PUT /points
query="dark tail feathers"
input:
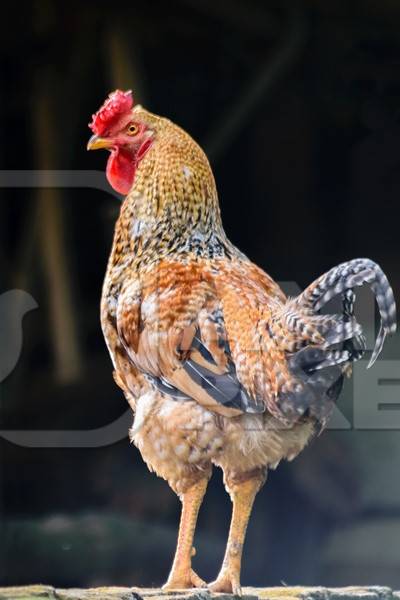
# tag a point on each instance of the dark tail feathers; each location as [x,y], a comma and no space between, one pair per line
[318,366]
[341,280]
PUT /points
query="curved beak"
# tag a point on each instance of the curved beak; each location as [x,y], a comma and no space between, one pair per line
[96,143]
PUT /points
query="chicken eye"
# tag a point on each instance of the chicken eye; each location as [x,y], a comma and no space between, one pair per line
[133,129]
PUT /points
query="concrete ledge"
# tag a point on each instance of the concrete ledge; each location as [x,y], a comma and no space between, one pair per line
[45,592]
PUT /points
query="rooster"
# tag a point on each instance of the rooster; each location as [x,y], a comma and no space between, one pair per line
[218,365]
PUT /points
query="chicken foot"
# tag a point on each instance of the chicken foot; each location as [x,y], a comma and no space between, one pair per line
[242,494]
[182,575]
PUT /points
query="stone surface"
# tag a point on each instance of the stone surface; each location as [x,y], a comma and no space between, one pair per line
[46,592]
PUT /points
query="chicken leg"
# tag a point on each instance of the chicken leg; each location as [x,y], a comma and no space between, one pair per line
[182,575]
[242,494]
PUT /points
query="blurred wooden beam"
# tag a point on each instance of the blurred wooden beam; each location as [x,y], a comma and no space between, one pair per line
[63,310]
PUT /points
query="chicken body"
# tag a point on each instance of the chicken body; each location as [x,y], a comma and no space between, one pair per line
[219,367]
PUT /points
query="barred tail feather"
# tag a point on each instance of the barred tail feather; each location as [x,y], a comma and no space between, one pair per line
[341,280]
[320,347]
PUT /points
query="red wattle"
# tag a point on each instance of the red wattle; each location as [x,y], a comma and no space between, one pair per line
[121,168]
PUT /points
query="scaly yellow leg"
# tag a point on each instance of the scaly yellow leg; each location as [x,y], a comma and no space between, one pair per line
[181,575]
[242,496]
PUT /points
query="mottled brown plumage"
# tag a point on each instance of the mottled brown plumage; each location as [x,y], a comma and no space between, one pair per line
[219,367]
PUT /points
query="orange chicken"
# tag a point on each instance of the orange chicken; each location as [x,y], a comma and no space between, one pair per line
[219,366]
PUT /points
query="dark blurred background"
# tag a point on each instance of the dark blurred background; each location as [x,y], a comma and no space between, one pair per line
[298,107]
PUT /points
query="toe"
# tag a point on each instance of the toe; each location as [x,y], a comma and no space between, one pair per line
[177,584]
[184,581]
[196,580]
[227,585]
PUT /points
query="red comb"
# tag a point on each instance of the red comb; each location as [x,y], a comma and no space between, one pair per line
[113,108]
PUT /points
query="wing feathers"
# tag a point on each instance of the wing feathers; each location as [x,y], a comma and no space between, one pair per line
[231,341]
